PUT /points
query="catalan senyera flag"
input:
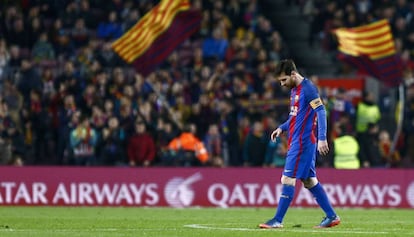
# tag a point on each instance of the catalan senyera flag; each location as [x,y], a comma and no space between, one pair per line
[371,49]
[157,34]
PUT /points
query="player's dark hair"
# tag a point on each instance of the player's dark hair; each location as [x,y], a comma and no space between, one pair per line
[285,66]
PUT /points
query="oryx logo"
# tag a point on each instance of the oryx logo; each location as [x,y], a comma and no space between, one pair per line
[178,191]
[410,194]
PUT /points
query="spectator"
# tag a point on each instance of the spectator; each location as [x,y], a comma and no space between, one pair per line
[367,113]
[14,101]
[141,147]
[35,31]
[254,149]
[30,80]
[5,151]
[42,49]
[228,128]
[114,144]
[214,48]
[4,57]
[83,141]
[15,138]
[110,30]
[188,148]
[18,34]
[80,34]
[391,158]
[346,149]
[339,106]
[214,146]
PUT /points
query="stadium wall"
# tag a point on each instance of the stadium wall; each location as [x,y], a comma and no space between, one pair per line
[190,187]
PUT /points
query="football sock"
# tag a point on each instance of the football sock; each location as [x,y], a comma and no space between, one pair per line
[322,199]
[285,199]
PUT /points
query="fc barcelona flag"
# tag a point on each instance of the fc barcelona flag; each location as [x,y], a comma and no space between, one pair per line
[157,34]
[371,49]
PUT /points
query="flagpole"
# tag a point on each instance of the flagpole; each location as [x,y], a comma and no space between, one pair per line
[400,120]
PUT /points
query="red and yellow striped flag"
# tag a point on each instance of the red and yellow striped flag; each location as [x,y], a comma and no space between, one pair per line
[142,35]
[374,40]
[371,49]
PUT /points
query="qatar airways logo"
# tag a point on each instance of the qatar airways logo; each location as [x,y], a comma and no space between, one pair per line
[179,193]
[410,194]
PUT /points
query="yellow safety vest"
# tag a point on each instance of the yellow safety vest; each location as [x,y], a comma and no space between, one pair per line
[346,153]
[366,114]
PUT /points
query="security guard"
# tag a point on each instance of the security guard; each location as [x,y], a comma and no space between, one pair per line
[346,150]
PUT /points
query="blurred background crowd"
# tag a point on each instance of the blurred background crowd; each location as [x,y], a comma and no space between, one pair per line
[68,99]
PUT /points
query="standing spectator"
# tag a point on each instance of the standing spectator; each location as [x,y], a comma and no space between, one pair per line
[339,107]
[5,145]
[372,151]
[80,34]
[14,101]
[107,57]
[30,80]
[40,122]
[42,49]
[390,158]
[214,145]
[228,128]
[18,34]
[188,148]
[367,113]
[254,149]
[83,140]
[60,39]
[68,118]
[346,149]
[4,57]
[5,150]
[214,48]
[69,81]
[35,31]
[113,144]
[111,29]
[15,138]
[141,147]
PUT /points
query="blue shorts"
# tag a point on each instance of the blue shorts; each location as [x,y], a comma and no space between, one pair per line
[300,163]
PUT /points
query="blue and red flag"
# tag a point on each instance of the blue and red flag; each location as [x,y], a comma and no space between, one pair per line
[371,49]
[157,34]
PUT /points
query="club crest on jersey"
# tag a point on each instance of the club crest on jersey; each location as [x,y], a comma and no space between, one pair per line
[296,98]
[293,110]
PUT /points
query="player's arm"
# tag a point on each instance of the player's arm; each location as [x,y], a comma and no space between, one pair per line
[319,108]
[283,127]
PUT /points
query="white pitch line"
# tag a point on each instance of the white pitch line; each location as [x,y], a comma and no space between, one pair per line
[199,226]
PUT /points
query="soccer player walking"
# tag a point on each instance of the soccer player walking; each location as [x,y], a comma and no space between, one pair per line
[307,113]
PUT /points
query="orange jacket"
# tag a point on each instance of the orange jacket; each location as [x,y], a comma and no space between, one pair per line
[187,141]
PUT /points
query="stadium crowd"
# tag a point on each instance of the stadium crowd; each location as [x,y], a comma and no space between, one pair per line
[68,99]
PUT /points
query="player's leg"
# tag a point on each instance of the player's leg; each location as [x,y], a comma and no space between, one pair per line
[313,185]
[288,191]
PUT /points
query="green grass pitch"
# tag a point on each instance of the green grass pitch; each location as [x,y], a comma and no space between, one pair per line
[204,222]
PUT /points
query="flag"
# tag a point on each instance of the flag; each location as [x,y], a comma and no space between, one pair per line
[157,34]
[371,49]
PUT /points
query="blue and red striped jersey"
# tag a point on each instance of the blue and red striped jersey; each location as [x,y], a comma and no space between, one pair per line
[302,122]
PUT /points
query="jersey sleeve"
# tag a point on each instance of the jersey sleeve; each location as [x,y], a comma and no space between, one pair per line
[312,97]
